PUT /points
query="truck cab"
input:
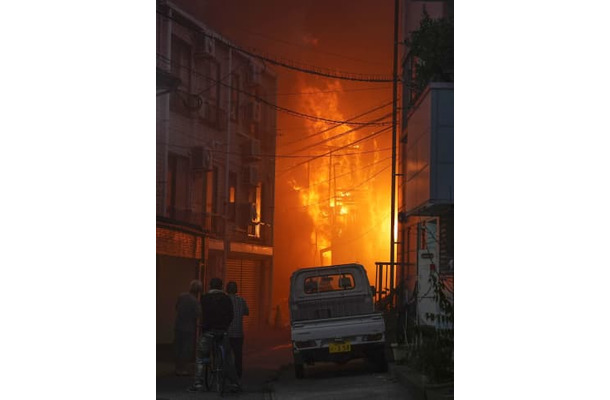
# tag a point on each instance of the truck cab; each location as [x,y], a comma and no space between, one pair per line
[333,318]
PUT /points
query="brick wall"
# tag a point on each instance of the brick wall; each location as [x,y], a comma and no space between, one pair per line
[178,244]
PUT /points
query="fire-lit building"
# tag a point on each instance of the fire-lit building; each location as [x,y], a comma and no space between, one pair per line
[425,214]
[216,136]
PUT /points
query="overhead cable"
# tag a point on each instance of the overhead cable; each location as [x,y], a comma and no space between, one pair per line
[268,103]
[285,63]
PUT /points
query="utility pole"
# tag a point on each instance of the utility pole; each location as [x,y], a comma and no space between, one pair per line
[394,121]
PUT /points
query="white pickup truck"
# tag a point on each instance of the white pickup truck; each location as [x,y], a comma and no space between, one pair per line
[333,318]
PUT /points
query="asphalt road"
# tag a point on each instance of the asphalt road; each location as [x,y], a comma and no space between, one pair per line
[264,356]
[352,380]
[269,374]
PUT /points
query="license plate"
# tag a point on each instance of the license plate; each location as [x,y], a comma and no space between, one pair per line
[339,347]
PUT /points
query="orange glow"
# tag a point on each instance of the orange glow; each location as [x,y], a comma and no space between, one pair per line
[344,190]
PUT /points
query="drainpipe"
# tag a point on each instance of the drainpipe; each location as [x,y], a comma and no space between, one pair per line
[227,240]
[394,110]
[165,146]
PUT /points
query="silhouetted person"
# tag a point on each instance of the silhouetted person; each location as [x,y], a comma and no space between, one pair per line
[216,316]
[188,310]
[236,329]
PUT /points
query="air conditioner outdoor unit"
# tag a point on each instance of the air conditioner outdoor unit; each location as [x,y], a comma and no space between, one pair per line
[210,46]
[254,111]
[253,213]
[201,158]
[255,147]
[205,46]
[253,75]
[253,150]
[251,175]
[257,112]
[204,110]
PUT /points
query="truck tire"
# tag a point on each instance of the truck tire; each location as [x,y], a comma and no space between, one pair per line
[299,370]
[381,364]
[377,361]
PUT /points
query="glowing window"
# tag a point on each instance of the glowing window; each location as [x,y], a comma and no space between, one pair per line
[328,283]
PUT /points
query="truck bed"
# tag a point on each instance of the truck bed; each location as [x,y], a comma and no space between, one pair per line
[353,327]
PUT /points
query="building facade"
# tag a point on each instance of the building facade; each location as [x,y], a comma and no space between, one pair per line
[216,136]
[426,195]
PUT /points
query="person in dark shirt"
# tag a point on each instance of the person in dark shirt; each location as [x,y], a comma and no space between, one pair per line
[236,329]
[216,316]
[188,310]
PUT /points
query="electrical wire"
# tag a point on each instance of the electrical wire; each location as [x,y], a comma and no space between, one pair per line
[266,156]
[288,64]
[336,126]
[306,47]
[351,240]
[341,175]
[338,136]
[331,91]
[345,190]
[275,106]
[334,150]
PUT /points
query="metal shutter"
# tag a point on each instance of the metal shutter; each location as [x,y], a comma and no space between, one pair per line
[247,274]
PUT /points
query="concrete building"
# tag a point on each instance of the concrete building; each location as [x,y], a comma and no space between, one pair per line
[425,204]
[216,137]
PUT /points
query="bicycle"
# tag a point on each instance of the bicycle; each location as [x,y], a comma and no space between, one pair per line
[215,377]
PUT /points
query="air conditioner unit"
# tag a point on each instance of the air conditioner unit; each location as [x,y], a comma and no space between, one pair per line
[204,110]
[251,175]
[205,46]
[247,215]
[210,46]
[254,112]
[257,113]
[201,158]
[209,112]
[253,75]
[255,147]
[253,150]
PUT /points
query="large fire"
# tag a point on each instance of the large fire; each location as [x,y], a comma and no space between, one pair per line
[333,202]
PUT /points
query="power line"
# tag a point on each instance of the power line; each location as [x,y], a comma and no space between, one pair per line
[334,150]
[344,174]
[268,103]
[307,48]
[270,156]
[331,91]
[285,63]
[344,242]
[336,126]
[338,136]
[346,190]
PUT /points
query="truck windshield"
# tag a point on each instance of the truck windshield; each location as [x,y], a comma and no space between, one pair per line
[328,283]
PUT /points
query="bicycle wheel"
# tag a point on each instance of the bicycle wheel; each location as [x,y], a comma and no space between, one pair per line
[219,369]
[209,376]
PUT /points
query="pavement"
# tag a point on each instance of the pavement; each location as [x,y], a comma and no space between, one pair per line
[269,352]
[266,354]
[417,385]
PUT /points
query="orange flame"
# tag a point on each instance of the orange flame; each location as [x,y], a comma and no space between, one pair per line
[345,190]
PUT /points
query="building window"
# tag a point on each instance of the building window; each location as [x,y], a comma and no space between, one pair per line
[232,196]
[177,187]
[181,68]
[181,62]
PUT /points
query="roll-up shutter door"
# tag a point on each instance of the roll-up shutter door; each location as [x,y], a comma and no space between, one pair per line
[247,274]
